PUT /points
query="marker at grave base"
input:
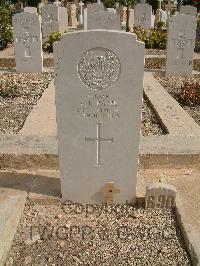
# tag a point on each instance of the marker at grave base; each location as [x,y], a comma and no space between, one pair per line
[109,190]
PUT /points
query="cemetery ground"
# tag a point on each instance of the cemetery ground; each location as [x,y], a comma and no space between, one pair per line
[30,187]
[37,229]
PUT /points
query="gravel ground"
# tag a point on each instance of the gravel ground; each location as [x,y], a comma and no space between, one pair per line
[150,125]
[20,92]
[110,236]
[172,85]
[154,52]
[159,63]
[18,95]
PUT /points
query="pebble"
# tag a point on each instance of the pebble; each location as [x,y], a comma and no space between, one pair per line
[27,260]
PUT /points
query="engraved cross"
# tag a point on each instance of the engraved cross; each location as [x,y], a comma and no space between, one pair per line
[181,42]
[27,40]
[50,20]
[98,140]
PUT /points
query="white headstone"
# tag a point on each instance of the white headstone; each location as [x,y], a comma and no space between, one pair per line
[54,18]
[85,18]
[91,8]
[103,20]
[164,16]
[131,18]
[188,10]
[27,42]
[81,4]
[180,45]
[152,21]
[30,9]
[98,125]
[111,10]
[143,16]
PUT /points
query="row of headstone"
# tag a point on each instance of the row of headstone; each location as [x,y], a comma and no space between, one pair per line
[54,18]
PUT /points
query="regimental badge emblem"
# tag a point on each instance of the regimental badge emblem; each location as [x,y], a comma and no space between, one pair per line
[99,68]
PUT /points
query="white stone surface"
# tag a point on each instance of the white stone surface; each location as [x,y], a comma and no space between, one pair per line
[111,10]
[180,45]
[90,10]
[85,18]
[27,42]
[95,7]
[152,20]
[54,18]
[188,10]
[164,16]
[98,125]
[30,9]
[103,20]
[81,4]
[131,19]
[160,196]
[143,16]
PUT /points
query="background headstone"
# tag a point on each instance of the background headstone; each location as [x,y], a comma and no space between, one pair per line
[103,20]
[188,10]
[160,196]
[131,18]
[27,42]
[95,7]
[180,45]
[98,125]
[30,9]
[73,22]
[54,18]
[111,10]
[143,16]
[90,10]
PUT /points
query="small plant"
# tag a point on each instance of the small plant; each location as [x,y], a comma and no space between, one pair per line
[5,24]
[154,38]
[190,92]
[53,37]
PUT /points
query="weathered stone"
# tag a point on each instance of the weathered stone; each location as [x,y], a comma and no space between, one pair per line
[180,45]
[188,10]
[30,9]
[54,18]
[143,16]
[98,126]
[27,42]
[160,196]
[103,20]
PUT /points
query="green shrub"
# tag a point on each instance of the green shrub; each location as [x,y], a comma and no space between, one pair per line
[154,38]
[53,37]
[5,24]
[197,47]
